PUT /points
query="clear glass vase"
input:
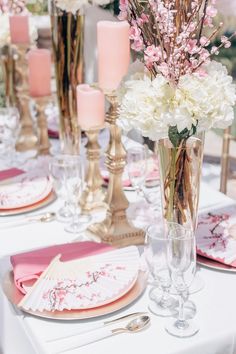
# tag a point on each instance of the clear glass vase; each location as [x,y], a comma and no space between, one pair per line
[68,48]
[180,173]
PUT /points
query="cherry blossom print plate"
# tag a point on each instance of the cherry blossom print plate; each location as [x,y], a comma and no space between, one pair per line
[28,209]
[215,237]
[26,191]
[84,283]
[83,288]
[15,296]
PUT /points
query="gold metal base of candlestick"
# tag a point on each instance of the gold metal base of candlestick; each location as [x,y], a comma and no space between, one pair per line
[28,139]
[93,196]
[44,144]
[116,229]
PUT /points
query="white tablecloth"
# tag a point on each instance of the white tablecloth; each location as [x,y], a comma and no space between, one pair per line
[216,310]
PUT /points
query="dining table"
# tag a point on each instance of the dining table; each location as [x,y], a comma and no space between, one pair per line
[215,299]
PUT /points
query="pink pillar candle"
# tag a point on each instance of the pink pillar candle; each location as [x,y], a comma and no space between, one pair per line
[113,53]
[39,72]
[90,107]
[19,29]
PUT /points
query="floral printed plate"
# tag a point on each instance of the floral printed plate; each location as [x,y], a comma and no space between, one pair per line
[26,191]
[216,238]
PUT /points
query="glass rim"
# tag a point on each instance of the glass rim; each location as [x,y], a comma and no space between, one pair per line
[189,234]
[161,234]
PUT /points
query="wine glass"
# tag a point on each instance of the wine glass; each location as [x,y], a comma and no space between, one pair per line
[181,259]
[58,171]
[137,167]
[75,185]
[162,304]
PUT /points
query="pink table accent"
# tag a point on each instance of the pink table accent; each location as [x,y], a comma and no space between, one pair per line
[19,29]
[28,266]
[39,72]
[11,172]
[91,107]
[113,53]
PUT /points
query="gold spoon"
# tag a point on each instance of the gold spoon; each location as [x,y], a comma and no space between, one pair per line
[46,217]
[134,326]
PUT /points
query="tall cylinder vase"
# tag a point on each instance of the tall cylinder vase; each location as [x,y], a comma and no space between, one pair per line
[68,47]
[180,172]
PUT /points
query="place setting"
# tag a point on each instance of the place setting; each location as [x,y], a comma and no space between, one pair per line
[113,234]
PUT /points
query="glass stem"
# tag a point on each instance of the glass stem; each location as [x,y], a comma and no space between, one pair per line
[181,322]
[165,297]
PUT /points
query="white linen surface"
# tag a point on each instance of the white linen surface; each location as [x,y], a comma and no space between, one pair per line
[216,310]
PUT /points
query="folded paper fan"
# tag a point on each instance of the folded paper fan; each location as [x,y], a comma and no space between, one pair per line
[84,283]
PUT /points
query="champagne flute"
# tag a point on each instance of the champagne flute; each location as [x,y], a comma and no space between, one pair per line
[75,185]
[137,167]
[162,304]
[181,259]
[58,168]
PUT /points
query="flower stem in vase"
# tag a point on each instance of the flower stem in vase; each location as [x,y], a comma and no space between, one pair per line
[180,166]
[68,43]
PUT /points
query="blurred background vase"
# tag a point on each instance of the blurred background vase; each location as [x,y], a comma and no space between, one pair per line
[68,48]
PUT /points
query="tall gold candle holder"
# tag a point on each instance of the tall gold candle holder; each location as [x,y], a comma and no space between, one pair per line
[28,139]
[43,139]
[7,61]
[93,196]
[116,229]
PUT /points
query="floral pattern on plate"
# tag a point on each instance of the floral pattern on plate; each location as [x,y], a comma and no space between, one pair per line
[23,192]
[216,236]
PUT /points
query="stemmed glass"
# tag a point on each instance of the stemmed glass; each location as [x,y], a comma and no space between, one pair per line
[58,171]
[181,259]
[137,167]
[162,304]
[75,185]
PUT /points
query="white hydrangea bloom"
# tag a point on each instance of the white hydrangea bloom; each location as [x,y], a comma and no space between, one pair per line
[153,106]
[4,30]
[76,5]
[71,5]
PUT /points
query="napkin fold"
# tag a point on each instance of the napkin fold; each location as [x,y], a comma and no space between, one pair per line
[10,173]
[29,265]
[216,235]
[152,176]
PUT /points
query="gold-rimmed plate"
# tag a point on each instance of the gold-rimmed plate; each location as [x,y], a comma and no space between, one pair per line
[15,296]
[27,209]
[211,264]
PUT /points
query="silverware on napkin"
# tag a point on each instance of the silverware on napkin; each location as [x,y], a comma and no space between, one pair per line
[135,325]
[43,218]
[95,326]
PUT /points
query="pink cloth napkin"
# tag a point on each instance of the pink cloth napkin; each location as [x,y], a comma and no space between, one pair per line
[53,134]
[28,266]
[153,175]
[11,172]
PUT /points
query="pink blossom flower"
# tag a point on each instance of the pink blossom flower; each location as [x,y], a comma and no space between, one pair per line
[137,45]
[211,11]
[192,47]
[225,41]
[204,41]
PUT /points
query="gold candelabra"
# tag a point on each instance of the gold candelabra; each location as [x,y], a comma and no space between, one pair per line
[43,139]
[28,139]
[93,196]
[116,229]
[7,61]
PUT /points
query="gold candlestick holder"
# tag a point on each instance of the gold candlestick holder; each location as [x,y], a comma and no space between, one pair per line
[93,196]
[43,139]
[116,229]
[28,139]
